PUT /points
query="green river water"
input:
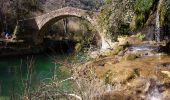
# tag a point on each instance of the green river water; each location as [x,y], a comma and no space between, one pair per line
[13,72]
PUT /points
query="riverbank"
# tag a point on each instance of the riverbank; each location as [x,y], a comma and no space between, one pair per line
[135,72]
[137,79]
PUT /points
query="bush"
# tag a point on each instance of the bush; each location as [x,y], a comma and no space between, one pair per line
[140,36]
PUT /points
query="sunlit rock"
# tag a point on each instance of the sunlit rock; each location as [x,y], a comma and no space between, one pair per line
[166,73]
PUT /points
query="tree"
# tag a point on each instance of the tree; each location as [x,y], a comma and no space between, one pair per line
[14,10]
[113,13]
[151,13]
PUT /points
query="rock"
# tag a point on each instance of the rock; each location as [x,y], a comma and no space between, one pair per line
[115,96]
[121,53]
[165,49]
[138,83]
[139,86]
[122,76]
[118,74]
[166,94]
[128,57]
[110,52]
[78,47]
[162,54]
[134,39]
[94,54]
[117,50]
[123,40]
[166,73]
[114,50]
[115,44]
[106,53]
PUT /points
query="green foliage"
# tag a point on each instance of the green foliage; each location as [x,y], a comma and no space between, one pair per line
[167,4]
[124,29]
[103,18]
[140,36]
[108,1]
[162,14]
[164,11]
[141,9]
[137,21]
[143,6]
[167,8]
[133,25]
[114,16]
[78,47]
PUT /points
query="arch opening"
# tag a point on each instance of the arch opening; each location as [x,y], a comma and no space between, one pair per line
[64,33]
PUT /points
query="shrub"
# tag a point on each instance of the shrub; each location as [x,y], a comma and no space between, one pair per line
[140,36]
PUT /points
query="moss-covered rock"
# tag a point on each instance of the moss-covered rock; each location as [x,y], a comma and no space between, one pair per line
[105,53]
[113,51]
[128,57]
[78,47]
[117,50]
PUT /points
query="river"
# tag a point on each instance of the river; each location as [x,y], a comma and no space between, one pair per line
[14,71]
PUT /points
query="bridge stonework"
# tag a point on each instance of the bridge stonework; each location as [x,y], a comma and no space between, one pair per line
[41,23]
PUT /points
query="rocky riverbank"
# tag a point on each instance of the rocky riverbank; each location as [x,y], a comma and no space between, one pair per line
[127,71]
[134,72]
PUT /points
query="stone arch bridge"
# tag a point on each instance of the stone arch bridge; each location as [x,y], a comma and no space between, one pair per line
[39,24]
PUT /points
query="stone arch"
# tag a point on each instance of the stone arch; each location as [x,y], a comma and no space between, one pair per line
[50,18]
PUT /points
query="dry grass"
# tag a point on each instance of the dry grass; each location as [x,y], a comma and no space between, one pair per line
[83,85]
